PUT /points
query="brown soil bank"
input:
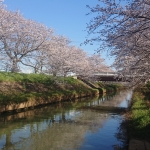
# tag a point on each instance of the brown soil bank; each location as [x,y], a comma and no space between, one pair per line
[39,90]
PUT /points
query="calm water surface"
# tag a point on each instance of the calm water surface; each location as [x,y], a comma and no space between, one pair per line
[65,126]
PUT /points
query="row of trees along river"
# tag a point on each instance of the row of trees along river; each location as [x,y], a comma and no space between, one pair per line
[29,46]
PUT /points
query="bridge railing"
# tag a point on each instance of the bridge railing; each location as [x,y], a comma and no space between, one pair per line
[106,74]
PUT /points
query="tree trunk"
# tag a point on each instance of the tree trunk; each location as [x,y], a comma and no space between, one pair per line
[14,66]
[54,73]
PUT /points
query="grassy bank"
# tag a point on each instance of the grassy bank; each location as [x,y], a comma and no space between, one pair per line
[19,90]
[19,87]
[139,117]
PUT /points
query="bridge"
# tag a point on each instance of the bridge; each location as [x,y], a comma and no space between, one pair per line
[108,76]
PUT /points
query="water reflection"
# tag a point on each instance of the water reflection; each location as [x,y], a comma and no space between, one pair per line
[122,99]
[63,126]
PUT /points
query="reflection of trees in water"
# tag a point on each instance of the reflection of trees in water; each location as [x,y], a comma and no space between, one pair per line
[56,137]
[33,114]
[114,100]
[63,133]
[67,135]
[8,142]
[56,125]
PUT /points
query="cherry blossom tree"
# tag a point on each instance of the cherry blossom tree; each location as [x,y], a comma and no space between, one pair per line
[58,56]
[98,64]
[86,66]
[79,62]
[20,36]
[36,61]
[123,28]
[26,42]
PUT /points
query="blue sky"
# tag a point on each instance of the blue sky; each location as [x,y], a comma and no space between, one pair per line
[66,17]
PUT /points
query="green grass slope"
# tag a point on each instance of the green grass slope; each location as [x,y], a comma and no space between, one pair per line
[19,87]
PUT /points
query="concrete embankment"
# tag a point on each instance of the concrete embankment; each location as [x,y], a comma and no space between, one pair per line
[39,101]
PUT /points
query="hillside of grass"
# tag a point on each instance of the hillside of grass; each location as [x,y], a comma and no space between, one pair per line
[20,87]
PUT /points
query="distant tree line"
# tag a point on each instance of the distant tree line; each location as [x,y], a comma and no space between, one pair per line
[26,43]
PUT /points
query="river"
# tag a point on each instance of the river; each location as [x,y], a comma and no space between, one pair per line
[65,126]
